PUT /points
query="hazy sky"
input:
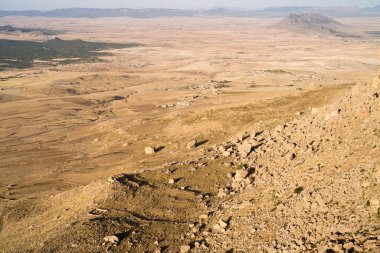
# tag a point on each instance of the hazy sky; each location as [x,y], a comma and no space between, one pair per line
[251,4]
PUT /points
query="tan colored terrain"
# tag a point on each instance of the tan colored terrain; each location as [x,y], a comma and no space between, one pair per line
[63,135]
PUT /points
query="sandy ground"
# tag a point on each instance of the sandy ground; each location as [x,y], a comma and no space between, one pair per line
[222,75]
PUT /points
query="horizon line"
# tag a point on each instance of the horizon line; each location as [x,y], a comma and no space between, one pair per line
[197,8]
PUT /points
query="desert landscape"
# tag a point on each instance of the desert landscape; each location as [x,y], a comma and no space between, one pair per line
[190,134]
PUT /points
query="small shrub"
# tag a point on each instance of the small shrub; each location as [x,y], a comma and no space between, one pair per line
[298,190]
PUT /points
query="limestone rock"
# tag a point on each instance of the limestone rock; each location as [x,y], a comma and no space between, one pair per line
[150,150]
[192,144]
[245,149]
[240,175]
[111,239]
[185,248]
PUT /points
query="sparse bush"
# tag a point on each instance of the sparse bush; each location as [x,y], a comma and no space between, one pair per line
[298,190]
[240,166]
[276,71]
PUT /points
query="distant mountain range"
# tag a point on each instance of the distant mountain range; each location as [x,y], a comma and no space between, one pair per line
[339,11]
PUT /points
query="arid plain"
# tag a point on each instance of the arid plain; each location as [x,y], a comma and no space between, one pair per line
[63,127]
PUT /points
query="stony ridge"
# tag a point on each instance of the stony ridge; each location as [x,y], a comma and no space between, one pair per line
[310,185]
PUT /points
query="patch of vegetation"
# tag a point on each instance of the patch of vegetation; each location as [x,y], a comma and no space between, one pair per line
[23,54]
[298,190]
[276,71]
[253,84]
[9,28]
[239,166]
[115,98]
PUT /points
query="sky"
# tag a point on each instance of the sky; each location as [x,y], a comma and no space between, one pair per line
[180,4]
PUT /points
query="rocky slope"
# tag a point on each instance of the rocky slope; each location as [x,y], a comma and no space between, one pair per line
[310,185]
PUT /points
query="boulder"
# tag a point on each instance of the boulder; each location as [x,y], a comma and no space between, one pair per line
[150,150]
[111,239]
[185,248]
[244,149]
[240,175]
[192,144]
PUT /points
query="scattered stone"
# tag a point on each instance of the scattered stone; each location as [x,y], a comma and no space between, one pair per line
[240,175]
[111,239]
[171,181]
[74,245]
[185,248]
[348,246]
[245,149]
[203,217]
[226,153]
[150,150]
[192,144]
[221,193]
[223,224]
[291,156]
